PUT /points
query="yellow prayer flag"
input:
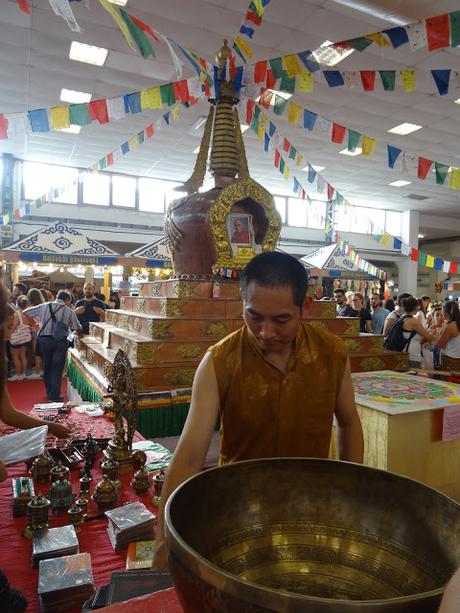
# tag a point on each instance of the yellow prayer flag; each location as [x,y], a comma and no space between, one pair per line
[291,65]
[386,239]
[245,48]
[110,8]
[379,39]
[298,159]
[59,117]
[430,261]
[259,7]
[408,79]
[294,112]
[260,131]
[305,82]
[454,179]
[368,145]
[263,119]
[175,112]
[133,142]
[151,98]
[286,172]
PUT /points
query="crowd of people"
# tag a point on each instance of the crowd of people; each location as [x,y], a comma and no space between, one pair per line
[430,327]
[41,331]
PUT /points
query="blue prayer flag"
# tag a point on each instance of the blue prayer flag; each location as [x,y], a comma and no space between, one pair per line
[125,148]
[441,78]
[238,80]
[333,77]
[393,154]
[311,174]
[398,36]
[309,119]
[309,61]
[271,129]
[397,244]
[266,142]
[438,263]
[133,103]
[39,120]
[166,117]
[247,30]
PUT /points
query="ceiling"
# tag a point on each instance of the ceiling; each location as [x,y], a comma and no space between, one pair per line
[35,67]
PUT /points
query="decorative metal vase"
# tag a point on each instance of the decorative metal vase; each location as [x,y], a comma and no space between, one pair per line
[60,495]
[41,468]
[85,485]
[105,494]
[158,482]
[37,515]
[75,515]
[141,481]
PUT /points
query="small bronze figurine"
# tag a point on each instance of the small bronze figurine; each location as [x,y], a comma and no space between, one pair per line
[158,481]
[58,471]
[37,515]
[85,484]
[105,494]
[141,481]
[41,468]
[109,467]
[138,458]
[75,515]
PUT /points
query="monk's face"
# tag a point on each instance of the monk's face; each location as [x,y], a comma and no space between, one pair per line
[272,317]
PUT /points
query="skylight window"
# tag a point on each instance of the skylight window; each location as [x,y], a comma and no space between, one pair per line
[74,97]
[81,52]
[330,56]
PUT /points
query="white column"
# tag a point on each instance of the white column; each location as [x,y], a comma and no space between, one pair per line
[407,268]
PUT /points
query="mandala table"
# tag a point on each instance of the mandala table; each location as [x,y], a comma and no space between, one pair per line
[402,418]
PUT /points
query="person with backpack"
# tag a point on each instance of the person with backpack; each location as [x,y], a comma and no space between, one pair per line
[395,313]
[401,334]
[56,318]
[20,339]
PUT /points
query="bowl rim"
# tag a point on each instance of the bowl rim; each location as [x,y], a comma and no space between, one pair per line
[233,579]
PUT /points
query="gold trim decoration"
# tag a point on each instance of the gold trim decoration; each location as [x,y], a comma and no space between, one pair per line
[376,343]
[107,370]
[90,356]
[180,376]
[372,364]
[243,170]
[159,329]
[183,289]
[352,345]
[214,328]
[148,353]
[156,289]
[140,305]
[194,183]
[188,351]
[328,311]
[123,321]
[125,345]
[137,324]
[172,307]
[229,196]
[352,327]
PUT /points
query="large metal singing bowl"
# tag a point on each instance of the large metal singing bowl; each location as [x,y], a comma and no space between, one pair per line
[303,535]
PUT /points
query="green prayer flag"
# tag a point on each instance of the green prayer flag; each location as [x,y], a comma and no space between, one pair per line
[441,173]
[292,153]
[360,43]
[139,37]
[338,198]
[254,125]
[238,52]
[140,137]
[282,166]
[353,139]
[422,258]
[79,114]
[280,105]
[454,28]
[167,94]
[287,83]
[102,164]
[277,67]
[388,78]
[257,112]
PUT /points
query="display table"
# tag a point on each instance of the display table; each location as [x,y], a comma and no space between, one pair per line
[403,418]
[15,550]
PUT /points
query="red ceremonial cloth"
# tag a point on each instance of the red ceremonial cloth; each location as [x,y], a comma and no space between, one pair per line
[15,550]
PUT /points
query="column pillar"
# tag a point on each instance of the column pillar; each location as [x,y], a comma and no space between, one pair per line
[89,274]
[408,269]
[107,285]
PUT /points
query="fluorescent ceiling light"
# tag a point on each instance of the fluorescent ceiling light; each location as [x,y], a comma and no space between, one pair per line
[330,56]
[457,101]
[318,168]
[72,129]
[405,128]
[196,151]
[119,2]
[357,151]
[400,183]
[80,52]
[420,236]
[74,97]
[244,127]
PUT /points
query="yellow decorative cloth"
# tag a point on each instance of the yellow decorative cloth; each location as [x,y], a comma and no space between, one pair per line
[265,413]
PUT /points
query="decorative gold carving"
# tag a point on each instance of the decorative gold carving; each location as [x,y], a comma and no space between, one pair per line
[316,323]
[125,345]
[352,344]
[78,344]
[171,307]
[372,364]
[229,196]
[328,310]
[159,329]
[140,305]
[402,362]
[123,321]
[137,324]
[188,351]
[243,170]
[214,328]
[352,327]
[183,289]
[90,356]
[148,353]
[193,184]
[376,344]
[107,370]
[156,289]
[180,376]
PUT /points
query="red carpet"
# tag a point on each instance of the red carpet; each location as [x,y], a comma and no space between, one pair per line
[24,394]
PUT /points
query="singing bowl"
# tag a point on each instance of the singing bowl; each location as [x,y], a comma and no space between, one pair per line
[295,535]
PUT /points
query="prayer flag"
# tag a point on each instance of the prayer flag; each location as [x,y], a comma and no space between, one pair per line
[368,80]
[133,142]
[353,139]
[388,78]
[271,129]
[266,98]
[98,111]
[393,154]
[429,261]
[181,91]
[309,119]
[247,31]
[368,146]
[292,153]
[397,244]
[311,174]
[417,35]
[294,112]
[253,18]
[330,191]
[454,28]
[424,166]
[438,32]
[145,27]
[3,127]
[309,61]
[266,142]
[277,158]
[338,133]
[446,266]
[151,98]
[422,257]
[167,94]
[280,105]
[39,120]
[454,180]
[115,13]
[142,43]
[249,110]
[333,77]
[24,6]
[276,66]
[379,39]
[110,159]
[441,79]
[115,108]
[408,79]
[286,172]
[291,65]
[359,44]
[438,263]
[350,78]
[324,126]
[441,171]
[124,148]
[133,103]
[149,130]
[286,145]
[282,165]
[59,117]
[244,47]
[79,114]
[453,268]
[305,82]
[398,36]
[287,83]
[260,71]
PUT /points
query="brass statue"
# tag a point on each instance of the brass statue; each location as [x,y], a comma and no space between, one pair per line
[123,396]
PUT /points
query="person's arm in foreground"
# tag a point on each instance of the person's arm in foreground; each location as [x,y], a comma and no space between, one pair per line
[450,602]
[193,445]
[12,417]
[349,430]
[447,334]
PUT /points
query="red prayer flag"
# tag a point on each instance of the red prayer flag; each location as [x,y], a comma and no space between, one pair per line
[3,126]
[24,6]
[330,191]
[17,214]
[368,79]
[260,71]
[265,98]
[338,133]
[231,61]
[98,110]
[193,100]
[249,110]
[207,89]
[453,268]
[414,255]
[110,159]
[149,130]
[271,79]
[181,90]
[286,145]
[145,27]
[438,32]
[424,166]
[277,158]
[250,16]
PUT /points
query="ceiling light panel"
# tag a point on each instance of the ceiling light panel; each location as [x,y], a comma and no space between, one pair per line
[405,128]
[400,183]
[74,97]
[357,151]
[89,54]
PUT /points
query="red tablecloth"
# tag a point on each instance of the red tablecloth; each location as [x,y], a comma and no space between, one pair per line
[15,550]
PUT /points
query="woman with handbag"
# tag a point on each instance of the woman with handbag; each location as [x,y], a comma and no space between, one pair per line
[20,339]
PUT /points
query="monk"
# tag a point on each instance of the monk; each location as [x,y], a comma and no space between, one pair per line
[276,384]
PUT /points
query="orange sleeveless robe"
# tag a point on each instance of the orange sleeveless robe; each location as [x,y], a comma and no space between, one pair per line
[265,413]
